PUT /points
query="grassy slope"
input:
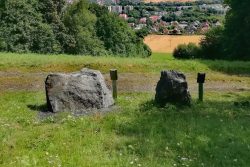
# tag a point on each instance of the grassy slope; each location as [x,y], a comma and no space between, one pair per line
[214,133]
[66,63]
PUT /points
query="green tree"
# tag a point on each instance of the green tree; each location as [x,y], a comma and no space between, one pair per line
[212,44]
[20,25]
[237,26]
[142,33]
[119,38]
[98,10]
[81,24]
[53,26]
[134,13]
[52,12]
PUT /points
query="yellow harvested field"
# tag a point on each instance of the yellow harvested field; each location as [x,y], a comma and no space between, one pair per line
[156,1]
[167,43]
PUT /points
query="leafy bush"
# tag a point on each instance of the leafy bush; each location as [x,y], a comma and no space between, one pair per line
[186,51]
[147,50]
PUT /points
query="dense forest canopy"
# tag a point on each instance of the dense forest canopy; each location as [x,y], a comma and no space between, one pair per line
[54,26]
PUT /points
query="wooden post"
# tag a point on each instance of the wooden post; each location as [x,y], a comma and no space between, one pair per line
[201,80]
[201,91]
[114,78]
[114,89]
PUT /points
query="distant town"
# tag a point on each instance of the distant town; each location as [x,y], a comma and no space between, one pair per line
[170,18]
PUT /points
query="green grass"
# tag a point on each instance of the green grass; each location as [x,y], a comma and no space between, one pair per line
[157,62]
[136,133]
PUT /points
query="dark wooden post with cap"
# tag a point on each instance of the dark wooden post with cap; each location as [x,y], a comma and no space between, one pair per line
[114,78]
[201,80]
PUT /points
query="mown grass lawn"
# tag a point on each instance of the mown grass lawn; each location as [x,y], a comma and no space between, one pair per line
[135,132]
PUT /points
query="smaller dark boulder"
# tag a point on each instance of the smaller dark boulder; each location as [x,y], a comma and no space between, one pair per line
[172,88]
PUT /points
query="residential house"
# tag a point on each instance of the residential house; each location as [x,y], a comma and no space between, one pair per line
[115,9]
[123,16]
[128,8]
[140,26]
[204,27]
[143,20]
[154,18]
[183,25]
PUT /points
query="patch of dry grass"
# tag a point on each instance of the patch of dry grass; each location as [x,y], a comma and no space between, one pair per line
[167,43]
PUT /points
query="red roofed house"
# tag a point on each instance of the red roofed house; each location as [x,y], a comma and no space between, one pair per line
[154,18]
[124,16]
[205,27]
[143,20]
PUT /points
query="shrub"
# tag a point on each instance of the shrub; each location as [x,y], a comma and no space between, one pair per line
[186,51]
[147,50]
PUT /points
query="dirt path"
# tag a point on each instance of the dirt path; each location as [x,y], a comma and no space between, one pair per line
[128,82]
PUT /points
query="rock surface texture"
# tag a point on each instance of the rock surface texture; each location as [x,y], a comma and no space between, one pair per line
[172,88]
[78,92]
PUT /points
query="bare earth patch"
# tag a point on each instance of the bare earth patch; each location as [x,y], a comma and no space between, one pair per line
[128,82]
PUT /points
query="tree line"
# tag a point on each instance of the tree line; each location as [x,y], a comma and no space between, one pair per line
[55,26]
[230,41]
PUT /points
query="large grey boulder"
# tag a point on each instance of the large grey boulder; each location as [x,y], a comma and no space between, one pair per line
[78,92]
[172,88]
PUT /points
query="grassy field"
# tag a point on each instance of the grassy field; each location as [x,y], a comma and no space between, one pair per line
[135,132]
[157,62]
